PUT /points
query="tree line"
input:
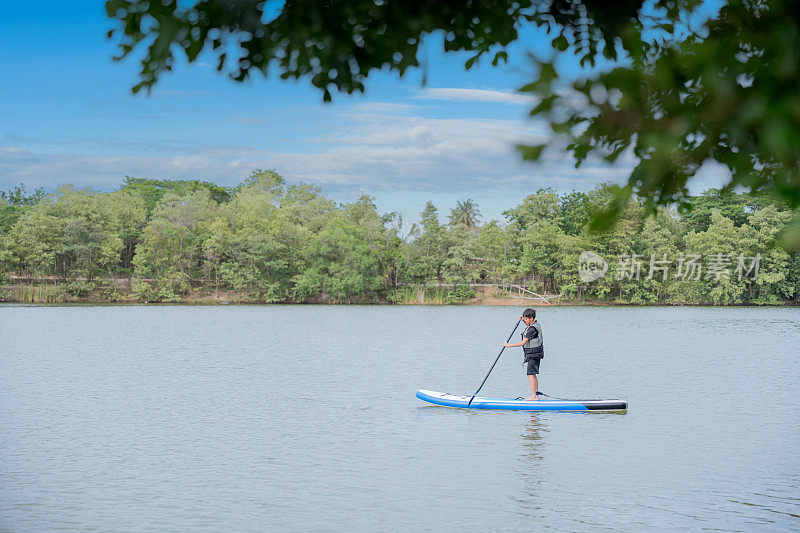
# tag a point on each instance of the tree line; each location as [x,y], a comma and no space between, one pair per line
[273,242]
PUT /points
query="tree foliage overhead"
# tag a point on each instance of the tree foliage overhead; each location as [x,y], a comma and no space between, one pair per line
[677,96]
[338,44]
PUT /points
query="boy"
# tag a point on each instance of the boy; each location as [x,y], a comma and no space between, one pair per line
[533,347]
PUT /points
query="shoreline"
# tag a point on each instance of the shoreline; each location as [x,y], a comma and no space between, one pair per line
[204,303]
[234,298]
[483,296]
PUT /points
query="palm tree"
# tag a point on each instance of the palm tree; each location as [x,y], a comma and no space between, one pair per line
[466,212]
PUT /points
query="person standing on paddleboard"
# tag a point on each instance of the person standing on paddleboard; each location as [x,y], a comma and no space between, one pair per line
[533,348]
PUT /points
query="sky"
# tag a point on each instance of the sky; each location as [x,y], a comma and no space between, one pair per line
[67,115]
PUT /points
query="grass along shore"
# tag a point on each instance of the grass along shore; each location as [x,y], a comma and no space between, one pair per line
[120,292]
[54,293]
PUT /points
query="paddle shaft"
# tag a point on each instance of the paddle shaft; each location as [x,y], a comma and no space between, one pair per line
[495,362]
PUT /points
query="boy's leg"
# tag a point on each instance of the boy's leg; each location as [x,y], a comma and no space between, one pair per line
[533,380]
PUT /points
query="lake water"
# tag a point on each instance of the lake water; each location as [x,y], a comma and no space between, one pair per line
[247,418]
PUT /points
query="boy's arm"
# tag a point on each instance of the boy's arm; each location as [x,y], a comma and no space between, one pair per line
[514,345]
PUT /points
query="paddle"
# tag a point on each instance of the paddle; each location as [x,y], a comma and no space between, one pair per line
[495,362]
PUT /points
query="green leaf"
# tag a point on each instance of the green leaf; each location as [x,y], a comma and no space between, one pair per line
[531,153]
[500,55]
[560,43]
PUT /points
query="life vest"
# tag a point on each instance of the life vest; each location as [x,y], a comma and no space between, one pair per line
[534,348]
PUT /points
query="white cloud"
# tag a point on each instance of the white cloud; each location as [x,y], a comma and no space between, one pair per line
[474,95]
[368,152]
[413,153]
[712,175]
[40,169]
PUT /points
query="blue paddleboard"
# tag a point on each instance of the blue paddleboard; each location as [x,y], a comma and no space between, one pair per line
[544,404]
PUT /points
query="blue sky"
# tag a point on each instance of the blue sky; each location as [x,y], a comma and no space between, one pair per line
[67,115]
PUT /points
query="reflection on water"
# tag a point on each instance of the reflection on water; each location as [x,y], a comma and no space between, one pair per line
[532,483]
[765,508]
[533,443]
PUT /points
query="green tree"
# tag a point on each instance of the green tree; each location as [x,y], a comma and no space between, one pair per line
[14,202]
[341,266]
[658,243]
[128,215]
[463,263]
[542,260]
[170,253]
[268,181]
[574,212]
[33,241]
[426,253]
[153,191]
[465,212]
[19,197]
[719,246]
[429,218]
[773,283]
[70,234]
[215,243]
[260,250]
[492,246]
[91,241]
[696,213]
[534,234]
[543,205]
[380,234]
[617,244]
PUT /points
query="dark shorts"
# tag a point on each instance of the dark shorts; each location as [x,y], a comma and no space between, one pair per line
[533,366]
